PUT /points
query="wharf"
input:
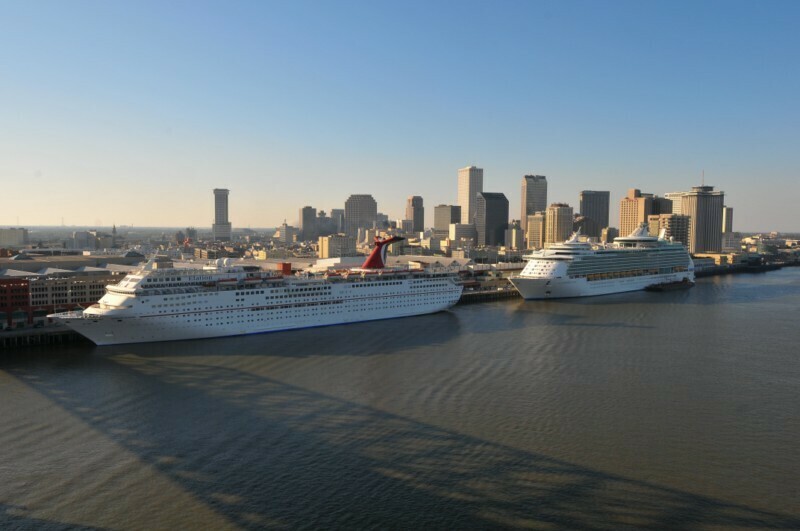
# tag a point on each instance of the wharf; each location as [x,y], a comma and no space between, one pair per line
[739,268]
[485,295]
[49,335]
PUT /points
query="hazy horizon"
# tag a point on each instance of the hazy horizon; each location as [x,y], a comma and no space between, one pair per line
[131,113]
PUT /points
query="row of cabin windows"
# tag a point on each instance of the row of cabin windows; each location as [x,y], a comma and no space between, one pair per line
[298,305]
[296,312]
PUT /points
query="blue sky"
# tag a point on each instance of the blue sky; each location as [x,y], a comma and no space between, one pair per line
[132,112]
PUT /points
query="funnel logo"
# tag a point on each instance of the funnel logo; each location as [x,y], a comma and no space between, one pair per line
[377,258]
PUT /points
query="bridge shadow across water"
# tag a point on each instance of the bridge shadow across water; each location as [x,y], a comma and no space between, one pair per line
[258,451]
[15,517]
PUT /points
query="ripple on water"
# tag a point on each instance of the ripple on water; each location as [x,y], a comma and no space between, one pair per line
[633,409]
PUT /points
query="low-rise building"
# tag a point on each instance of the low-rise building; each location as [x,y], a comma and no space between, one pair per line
[722,259]
[337,245]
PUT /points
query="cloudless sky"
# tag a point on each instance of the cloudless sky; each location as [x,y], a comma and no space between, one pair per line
[132,112]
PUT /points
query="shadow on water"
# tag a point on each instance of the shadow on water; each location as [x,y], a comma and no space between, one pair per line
[259,451]
[356,339]
[550,313]
[13,517]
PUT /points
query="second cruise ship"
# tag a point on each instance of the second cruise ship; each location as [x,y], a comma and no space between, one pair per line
[631,263]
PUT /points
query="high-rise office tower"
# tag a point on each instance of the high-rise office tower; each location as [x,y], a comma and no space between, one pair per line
[661,205]
[405,226]
[324,224]
[381,221]
[416,213]
[534,197]
[491,218]
[470,184]
[337,218]
[558,223]
[594,208]
[704,206]
[462,235]
[360,211]
[443,216]
[633,210]
[535,232]
[727,219]
[308,224]
[221,229]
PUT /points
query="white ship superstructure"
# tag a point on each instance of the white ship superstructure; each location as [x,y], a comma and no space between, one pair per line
[155,304]
[576,269]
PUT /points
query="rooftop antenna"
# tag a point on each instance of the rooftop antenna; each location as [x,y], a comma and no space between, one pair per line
[703,181]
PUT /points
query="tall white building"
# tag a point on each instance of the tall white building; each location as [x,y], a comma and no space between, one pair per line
[727,219]
[221,228]
[470,184]
[534,197]
[676,198]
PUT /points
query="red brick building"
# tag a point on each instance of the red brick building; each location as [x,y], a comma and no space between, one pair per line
[28,300]
[14,298]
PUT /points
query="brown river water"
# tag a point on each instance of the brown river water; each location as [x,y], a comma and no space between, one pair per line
[641,410]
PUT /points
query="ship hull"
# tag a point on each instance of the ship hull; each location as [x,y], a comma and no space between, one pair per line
[560,288]
[253,320]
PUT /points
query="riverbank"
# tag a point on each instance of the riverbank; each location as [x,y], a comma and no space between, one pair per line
[493,290]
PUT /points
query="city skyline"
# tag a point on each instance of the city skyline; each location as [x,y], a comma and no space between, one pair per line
[621,96]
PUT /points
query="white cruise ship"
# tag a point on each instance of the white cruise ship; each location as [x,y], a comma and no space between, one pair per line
[576,269]
[157,304]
